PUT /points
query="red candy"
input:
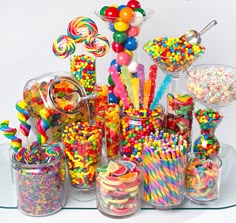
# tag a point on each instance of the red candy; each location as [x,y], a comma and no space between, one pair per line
[133,4]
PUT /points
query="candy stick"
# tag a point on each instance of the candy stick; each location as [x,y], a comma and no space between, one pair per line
[161,91]
[152,77]
[135,92]
[43,125]
[23,116]
[10,133]
[120,87]
[141,76]
[147,89]
[126,78]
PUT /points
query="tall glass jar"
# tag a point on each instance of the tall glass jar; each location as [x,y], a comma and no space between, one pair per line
[60,93]
[135,126]
[41,188]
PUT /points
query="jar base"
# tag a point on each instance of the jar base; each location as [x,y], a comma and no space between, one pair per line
[201,202]
[83,195]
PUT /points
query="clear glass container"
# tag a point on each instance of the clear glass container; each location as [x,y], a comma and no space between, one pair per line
[203,178]
[40,188]
[60,93]
[135,126]
[118,188]
[82,144]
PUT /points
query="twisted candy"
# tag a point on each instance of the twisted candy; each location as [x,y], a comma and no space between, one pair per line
[97,44]
[81,27]
[43,125]
[23,116]
[63,46]
[10,133]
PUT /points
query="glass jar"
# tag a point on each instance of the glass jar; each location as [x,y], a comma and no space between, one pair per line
[41,188]
[118,188]
[135,126]
[203,178]
[60,93]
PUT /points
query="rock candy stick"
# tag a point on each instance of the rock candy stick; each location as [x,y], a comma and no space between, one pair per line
[135,92]
[146,91]
[152,77]
[141,76]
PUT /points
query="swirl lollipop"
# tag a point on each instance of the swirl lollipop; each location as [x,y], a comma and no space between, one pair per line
[10,133]
[81,27]
[52,152]
[97,44]
[43,125]
[23,116]
[63,46]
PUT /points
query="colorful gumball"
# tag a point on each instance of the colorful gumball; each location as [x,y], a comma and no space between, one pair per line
[131,43]
[129,52]
[111,26]
[121,26]
[120,37]
[138,19]
[133,66]
[111,14]
[121,7]
[102,10]
[126,14]
[117,47]
[133,31]
[141,11]
[110,81]
[133,4]
[123,58]
[117,66]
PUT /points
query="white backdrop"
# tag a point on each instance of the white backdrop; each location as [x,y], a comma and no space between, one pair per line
[28,28]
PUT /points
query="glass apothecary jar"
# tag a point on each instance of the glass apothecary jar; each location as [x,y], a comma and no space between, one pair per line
[63,95]
[40,188]
[135,126]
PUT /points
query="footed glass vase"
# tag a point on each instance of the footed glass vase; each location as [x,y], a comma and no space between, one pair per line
[207,142]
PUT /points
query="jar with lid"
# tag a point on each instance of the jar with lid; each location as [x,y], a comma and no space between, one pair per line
[63,95]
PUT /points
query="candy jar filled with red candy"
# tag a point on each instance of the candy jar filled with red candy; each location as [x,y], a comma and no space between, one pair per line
[62,95]
[213,86]
[124,24]
[118,188]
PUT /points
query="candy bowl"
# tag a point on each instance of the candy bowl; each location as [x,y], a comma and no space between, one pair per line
[212,85]
[203,174]
[118,188]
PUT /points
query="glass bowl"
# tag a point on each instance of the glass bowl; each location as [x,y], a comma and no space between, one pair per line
[212,85]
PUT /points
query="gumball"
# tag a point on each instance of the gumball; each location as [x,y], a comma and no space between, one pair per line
[112,98]
[113,62]
[129,52]
[126,14]
[110,80]
[117,47]
[123,58]
[121,26]
[131,43]
[133,4]
[138,19]
[120,37]
[133,31]
[141,11]
[121,7]
[132,67]
[102,10]
[111,26]
[111,14]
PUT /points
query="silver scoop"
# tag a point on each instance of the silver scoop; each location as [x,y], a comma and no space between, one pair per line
[194,37]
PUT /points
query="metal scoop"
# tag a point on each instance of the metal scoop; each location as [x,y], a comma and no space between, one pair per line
[194,37]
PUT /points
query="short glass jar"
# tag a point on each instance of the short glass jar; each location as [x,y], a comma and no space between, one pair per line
[41,188]
[135,126]
[118,188]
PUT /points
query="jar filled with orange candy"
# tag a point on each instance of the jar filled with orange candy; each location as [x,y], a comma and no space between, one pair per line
[63,95]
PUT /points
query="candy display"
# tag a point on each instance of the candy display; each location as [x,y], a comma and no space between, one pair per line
[173,55]
[212,85]
[135,126]
[40,188]
[124,23]
[55,91]
[164,162]
[112,130]
[207,142]
[203,178]
[82,144]
[118,188]
[179,116]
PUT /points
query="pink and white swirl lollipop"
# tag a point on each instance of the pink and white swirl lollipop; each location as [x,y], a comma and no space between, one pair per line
[97,44]
[63,46]
[81,27]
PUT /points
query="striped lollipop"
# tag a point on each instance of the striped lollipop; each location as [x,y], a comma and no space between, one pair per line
[10,133]
[23,116]
[43,125]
